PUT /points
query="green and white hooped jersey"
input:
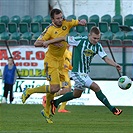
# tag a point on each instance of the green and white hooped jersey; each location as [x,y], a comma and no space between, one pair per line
[84,52]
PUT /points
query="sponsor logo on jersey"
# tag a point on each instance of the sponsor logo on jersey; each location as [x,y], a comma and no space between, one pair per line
[64,27]
[88,52]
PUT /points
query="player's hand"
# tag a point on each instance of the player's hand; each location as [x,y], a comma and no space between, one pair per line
[82,22]
[118,67]
[45,44]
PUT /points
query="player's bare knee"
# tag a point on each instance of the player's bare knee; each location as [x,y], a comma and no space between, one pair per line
[94,87]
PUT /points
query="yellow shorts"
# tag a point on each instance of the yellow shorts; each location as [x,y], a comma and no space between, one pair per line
[54,70]
[67,83]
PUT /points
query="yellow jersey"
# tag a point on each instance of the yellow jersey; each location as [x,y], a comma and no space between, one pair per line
[67,60]
[52,32]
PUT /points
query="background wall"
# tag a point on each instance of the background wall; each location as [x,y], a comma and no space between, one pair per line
[23,7]
[91,7]
[77,7]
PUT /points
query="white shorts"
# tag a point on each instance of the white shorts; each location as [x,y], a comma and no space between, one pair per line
[80,80]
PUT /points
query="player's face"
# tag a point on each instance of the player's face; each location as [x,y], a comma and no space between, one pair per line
[94,38]
[10,61]
[58,18]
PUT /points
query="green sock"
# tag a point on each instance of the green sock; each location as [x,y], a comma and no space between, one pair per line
[104,100]
[66,97]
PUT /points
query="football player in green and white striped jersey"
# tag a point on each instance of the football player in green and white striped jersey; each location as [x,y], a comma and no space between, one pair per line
[87,48]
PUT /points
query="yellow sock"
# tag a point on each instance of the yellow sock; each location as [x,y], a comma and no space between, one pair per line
[49,97]
[63,105]
[40,89]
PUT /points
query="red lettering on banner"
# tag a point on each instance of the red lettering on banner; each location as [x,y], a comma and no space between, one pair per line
[34,64]
[40,55]
[28,54]
[3,54]
[16,55]
[18,63]
[2,64]
[26,64]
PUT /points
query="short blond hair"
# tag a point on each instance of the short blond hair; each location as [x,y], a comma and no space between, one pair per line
[95,30]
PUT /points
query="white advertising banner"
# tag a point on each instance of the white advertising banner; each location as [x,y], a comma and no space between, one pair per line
[28,60]
[115,95]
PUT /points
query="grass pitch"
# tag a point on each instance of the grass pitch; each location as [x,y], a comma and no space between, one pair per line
[82,119]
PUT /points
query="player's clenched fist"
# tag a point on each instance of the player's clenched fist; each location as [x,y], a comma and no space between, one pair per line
[82,22]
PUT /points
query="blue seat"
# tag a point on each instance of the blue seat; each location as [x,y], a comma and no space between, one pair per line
[23,27]
[26,19]
[119,35]
[80,28]
[36,35]
[47,19]
[106,18]
[128,20]
[70,17]
[103,27]
[107,36]
[12,27]
[129,35]
[94,18]
[118,19]
[83,17]
[114,27]
[4,36]
[4,19]
[3,27]
[90,25]
[38,19]
[35,27]
[15,19]
[44,25]
[27,35]
[15,36]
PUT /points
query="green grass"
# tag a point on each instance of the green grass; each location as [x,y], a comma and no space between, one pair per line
[82,119]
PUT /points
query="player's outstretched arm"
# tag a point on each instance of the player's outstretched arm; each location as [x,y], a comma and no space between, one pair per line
[52,41]
[38,43]
[112,63]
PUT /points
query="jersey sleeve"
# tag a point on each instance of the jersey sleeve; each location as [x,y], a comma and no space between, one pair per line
[73,41]
[73,23]
[101,51]
[45,35]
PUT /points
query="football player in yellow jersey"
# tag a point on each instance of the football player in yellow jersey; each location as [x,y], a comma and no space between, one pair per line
[53,62]
[65,86]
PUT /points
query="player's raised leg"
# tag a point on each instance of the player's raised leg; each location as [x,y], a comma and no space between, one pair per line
[102,97]
[28,91]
